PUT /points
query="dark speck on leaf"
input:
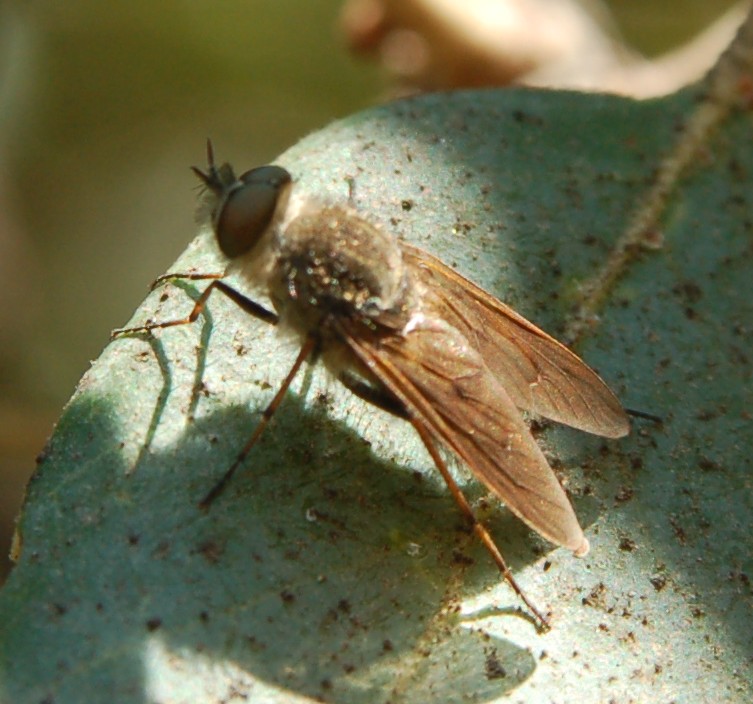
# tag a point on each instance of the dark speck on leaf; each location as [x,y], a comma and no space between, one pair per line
[153,624]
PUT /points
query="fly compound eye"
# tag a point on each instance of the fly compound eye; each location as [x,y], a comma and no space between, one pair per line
[249,208]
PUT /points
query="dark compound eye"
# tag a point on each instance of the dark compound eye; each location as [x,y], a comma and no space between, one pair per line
[249,208]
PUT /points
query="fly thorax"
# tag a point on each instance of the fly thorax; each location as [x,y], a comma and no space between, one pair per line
[332,262]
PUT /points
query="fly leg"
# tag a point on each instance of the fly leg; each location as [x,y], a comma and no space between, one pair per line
[251,307]
[381,397]
[375,395]
[307,349]
[478,527]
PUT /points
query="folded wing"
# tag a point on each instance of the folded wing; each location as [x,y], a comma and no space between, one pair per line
[444,384]
[538,373]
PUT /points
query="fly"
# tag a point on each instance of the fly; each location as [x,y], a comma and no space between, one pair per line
[405,332]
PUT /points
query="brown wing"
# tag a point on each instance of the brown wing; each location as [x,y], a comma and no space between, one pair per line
[538,373]
[446,386]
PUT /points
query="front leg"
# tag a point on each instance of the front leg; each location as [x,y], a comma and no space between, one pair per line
[251,307]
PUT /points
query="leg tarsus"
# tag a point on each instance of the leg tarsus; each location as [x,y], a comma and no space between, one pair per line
[644,415]
[191,276]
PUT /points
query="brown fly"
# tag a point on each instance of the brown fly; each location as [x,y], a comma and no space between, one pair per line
[406,333]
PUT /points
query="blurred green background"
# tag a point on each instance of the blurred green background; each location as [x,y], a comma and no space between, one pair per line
[103,107]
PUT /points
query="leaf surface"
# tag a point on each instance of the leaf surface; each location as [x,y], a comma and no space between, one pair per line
[335,566]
